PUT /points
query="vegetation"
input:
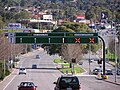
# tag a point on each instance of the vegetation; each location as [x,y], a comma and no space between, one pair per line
[67,10]
[66,69]
[77,70]
[57,60]
[69,51]
[2,74]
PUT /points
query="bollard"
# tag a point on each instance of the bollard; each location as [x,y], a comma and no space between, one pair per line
[105,77]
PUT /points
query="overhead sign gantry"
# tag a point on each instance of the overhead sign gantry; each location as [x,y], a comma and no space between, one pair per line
[56,38]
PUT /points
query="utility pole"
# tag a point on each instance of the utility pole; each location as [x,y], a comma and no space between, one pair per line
[19,6]
[89,58]
[4,55]
[116,40]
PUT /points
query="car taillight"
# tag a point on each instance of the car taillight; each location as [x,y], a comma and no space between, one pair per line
[34,88]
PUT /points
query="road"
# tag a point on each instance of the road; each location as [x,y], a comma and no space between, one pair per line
[93,64]
[47,73]
[43,77]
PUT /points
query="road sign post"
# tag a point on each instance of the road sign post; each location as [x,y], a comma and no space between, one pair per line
[103,55]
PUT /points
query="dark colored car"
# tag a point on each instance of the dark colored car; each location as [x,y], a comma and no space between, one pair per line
[34,66]
[108,72]
[37,56]
[67,83]
[118,71]
[96,71]
[27,86]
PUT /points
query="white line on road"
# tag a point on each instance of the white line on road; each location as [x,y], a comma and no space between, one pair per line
[9,82]
[86,75]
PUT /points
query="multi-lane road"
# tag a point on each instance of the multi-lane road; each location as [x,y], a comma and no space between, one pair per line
[43,77]
[46,74]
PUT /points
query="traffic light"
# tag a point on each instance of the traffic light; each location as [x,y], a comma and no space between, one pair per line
[106,51]
[99,61]
[73,60]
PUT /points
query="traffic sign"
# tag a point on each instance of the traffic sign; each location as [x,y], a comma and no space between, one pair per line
[104,15]
[11,37]
[81,40]
[56,34]
[34,46]
[14,25]
[57,38]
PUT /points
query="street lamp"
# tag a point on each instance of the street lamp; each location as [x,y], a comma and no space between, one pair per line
[116,40]
[89,58]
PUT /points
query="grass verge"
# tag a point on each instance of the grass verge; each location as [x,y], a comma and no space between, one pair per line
[65,67]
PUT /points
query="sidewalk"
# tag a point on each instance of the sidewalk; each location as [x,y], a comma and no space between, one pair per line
[112,80]
[111,63]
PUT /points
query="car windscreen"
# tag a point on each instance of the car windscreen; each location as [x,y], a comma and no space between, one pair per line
[69,80]
[22,68]
[27,84]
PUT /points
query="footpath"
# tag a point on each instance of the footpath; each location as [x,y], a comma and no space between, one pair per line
[114,79]
[111,78]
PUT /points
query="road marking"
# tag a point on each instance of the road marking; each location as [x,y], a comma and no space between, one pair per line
[85,75]
[9,82]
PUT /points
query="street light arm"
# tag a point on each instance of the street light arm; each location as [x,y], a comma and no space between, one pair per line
[103,54]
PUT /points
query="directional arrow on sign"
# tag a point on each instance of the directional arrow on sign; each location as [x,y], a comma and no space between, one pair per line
[104,15]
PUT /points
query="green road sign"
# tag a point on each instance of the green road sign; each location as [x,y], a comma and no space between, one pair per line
[57,40]
[81,40]
[56,34]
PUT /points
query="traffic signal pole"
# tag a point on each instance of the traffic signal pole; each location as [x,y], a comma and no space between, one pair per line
[103,54]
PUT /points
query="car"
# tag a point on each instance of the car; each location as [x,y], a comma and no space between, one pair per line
[97,70]
[118,71]
[108,72]
[91,60]
[37,56]
[27,86]
[34,66]
[67,82]
[22,70]
[80,63]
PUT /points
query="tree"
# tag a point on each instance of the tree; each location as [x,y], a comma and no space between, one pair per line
[111,44]
[1,23]
[22,15]
[69,51]
[95,11]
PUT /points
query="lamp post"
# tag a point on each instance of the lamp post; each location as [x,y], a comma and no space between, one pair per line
[116,40]
[89,58]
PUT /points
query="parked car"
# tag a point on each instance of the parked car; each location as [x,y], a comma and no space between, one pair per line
[34,66]
[37,56]
[97,70]
[118,71]
[91,60]
[22,70]
[67,83]
[80,63]
[108,72]
[27,86]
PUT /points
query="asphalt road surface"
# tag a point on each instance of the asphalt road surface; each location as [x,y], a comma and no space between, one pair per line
[43,77]
[46,73]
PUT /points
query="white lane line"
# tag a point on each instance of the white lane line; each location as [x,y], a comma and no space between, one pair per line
[9,82]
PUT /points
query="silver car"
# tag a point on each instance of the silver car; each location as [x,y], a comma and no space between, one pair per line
[22,70]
